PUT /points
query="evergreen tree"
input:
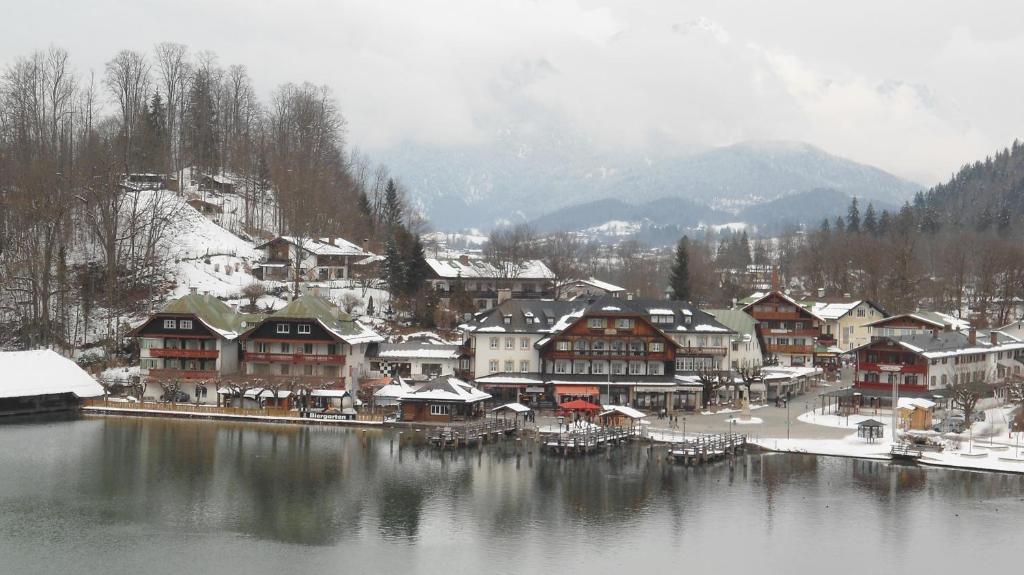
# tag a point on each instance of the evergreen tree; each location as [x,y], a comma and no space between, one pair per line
[871,221]
[826,228]
[364,206]
[154,136]
[415,266]
[884,223]
[743,250]
[853,217]
[201,129]
[394,272]
[1003,220]
[391,211]
[840,225]
[369,306]
[679,282]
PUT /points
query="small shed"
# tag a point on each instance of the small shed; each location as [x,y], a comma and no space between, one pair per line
[870,429]
[617,415]
[39,381]
[915,412]
[516,409]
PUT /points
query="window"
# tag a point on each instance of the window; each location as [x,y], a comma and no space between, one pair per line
[618,367]
[561,366]
[494,343]
[284,369]
[598,367]
[655,368]
[563,345]
[262,347]
[624,323]
[702,341]
[185,324]
[798,325]
[506,319]
[716,341]
[438,409]
[430,368]
[580,346]
[286,348]
[933,381]
[284,328]
[307,348]
[524,366]
[510,343]
[657,347]
[510,366]
[524,343]
[332,349]
[636,347]
[595,323]
[492,366]
[304,328]
[580,366]
[598,347]
[150,364]
[636,368]
[307,370]
[860,312]
[170,324]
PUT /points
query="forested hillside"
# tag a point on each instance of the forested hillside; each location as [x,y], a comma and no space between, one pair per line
[95,172]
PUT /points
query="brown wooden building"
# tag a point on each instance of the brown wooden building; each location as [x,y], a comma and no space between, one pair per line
[788,330]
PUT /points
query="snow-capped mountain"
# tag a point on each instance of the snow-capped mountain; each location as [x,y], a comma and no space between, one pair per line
[525,178]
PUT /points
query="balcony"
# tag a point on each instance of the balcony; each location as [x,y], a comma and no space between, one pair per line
[294,357]
[184,353]
[703,350]
[778,315]
[799,349]
[886,386]
[891,368]
[183,374]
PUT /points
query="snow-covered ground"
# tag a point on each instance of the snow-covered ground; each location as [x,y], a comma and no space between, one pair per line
[728,410]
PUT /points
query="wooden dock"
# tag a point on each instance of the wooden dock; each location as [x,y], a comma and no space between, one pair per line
[585,441]
[707,448]
[471,433]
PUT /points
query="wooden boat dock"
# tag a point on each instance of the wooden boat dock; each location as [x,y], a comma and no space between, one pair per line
[472,433]
[707,448]
[585,441]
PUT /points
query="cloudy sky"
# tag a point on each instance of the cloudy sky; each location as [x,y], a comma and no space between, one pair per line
[917,87]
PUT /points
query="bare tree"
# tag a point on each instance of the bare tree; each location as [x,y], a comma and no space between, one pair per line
[349,302]
[128,79]
[509,249]
[254,292]
[174,70]
[967,392]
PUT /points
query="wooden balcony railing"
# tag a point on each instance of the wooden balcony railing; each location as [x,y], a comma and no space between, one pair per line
[889,368]
[701,350]
[183,373]
[184,353]
[294,357]
[776,348]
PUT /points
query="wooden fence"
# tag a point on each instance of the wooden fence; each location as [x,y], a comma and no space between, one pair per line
[213,410]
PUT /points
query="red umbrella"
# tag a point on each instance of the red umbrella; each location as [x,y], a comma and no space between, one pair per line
[580,405]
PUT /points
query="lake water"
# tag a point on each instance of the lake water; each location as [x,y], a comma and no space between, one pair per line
[123,495]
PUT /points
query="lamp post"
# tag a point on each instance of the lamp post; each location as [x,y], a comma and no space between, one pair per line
[787,419]
[684,428]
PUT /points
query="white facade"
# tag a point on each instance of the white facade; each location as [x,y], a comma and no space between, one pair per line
[496,352]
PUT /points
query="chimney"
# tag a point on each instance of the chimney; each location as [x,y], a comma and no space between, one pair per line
[504,294]
[775,279]
[734,302]
[193,290]
[234,306]
[993,337]
[935,333]
[972,336]
[821,292]
[464,259]
[333,241]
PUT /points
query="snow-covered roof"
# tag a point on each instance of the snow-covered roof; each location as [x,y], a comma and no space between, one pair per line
[418,351]
[833,311]
[516,407]
[394,389]
[660,311]
[322,246]
[623,410]
[477,268]
[43,372]
[329,316]
[915,403]
[446,388]
[596,283]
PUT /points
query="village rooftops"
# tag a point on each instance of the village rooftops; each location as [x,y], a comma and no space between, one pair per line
[667,315]
[43,372]
[744,326]
[446,389]
[329,316]
[525,316]
[753,300]
[836,308]
[321,246]
[952,343]
[595,283]
[467,268]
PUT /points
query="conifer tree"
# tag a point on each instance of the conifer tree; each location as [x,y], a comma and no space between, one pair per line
[853,217]
[871,221]
[679,282]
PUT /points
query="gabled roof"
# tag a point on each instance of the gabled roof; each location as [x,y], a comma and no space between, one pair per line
[951,343]
[525,316]
[418,350]
[394,389]
[596,283]
[936,319]
[329,316]
[737,320]
[784,297]
[446,388]
[481,269]
[216,315]
[321,246]
[686,318]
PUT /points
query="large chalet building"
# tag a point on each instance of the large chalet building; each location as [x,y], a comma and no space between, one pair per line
[918,322]
[312,339]
[789,330]
[320,259]
[486,284]
[846,320]
[193,339]
[610,350]
[922,364]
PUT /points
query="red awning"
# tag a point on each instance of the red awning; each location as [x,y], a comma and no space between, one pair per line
[580,405]
[580,390]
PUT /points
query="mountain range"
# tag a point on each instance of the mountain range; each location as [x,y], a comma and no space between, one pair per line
[563,183]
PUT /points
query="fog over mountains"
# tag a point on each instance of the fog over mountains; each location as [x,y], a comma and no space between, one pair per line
[562,183]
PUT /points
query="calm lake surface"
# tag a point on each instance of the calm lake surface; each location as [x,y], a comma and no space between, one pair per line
[124,495]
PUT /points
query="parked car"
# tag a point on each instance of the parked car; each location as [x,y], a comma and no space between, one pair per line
[178,397]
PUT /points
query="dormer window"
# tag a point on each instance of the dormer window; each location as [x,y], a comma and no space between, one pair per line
[507,319]
[595,323]
[304,328]
[185,324]
[284,328]
[170,324]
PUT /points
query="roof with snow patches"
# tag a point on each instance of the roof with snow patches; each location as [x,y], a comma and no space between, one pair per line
[43,372]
